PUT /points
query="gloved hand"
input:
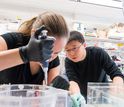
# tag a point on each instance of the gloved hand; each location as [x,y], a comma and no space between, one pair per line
[77,100]
[37,49]
[60,82]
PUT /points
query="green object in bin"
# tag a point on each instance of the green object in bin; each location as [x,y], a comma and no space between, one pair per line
[77,100]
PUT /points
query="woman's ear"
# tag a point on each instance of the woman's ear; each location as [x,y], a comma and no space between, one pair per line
[84,44]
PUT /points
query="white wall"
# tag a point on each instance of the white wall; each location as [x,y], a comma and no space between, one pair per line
[88,14]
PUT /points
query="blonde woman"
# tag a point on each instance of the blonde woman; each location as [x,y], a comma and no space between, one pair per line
[21,52]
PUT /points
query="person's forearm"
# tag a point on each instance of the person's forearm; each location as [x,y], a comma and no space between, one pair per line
[9,58]
[53,73]
[118,80]
[74,88]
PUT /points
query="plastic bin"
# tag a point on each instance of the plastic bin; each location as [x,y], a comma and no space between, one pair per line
[62,98]
[105,94]
[32,96]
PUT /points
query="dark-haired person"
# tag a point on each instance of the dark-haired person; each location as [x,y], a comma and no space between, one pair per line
[86,64]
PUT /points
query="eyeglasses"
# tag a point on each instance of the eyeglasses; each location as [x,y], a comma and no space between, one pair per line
[75,49]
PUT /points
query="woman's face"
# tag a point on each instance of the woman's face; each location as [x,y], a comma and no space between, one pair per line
[59,44]
[75,51]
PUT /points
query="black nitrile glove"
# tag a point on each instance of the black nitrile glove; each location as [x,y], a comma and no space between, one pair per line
[60,82]
[37,49]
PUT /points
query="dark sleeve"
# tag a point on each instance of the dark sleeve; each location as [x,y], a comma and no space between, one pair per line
[15,40]
[70,71]
[54,63]
[109,65]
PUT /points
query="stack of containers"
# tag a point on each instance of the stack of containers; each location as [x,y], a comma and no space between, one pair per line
[105,95]
[32,96]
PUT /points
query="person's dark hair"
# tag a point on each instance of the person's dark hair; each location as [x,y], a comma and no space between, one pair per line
[76,36]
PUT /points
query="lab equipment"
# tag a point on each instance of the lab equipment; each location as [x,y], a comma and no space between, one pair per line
[32,96]
[44,64]
[105,95]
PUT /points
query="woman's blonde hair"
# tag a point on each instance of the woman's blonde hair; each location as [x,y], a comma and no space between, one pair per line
[26,26]
[55,23]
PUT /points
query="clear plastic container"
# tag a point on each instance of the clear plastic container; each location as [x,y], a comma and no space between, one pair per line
[62,98]
[32,96]
[105,94]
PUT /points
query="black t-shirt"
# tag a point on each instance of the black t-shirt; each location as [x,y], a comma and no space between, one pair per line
[22,74]
[89,69]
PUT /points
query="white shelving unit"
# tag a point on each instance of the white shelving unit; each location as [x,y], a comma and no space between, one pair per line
[105,40]
[117,51]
